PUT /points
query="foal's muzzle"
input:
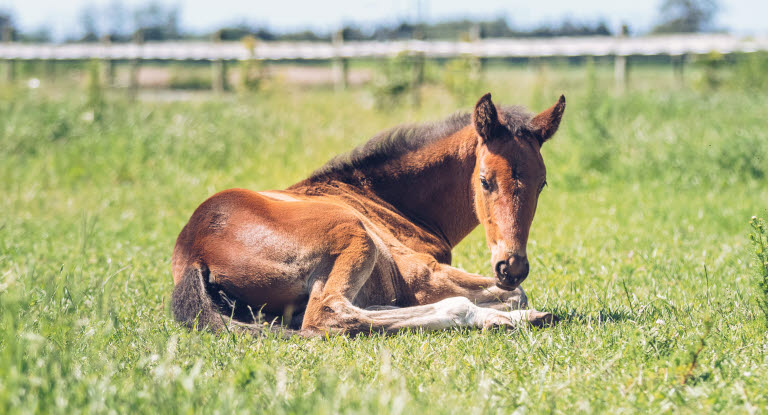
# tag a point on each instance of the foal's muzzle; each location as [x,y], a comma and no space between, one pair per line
[512,272]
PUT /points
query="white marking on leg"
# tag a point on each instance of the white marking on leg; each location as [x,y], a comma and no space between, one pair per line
[451,312]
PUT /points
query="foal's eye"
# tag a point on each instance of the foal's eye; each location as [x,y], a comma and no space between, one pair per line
[484,183]
[543,185]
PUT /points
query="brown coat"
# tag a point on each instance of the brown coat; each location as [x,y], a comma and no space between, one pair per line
[365,242]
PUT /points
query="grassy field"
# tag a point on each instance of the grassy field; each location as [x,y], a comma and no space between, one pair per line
[639,244]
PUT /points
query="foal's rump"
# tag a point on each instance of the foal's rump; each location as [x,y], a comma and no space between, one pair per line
[267,248]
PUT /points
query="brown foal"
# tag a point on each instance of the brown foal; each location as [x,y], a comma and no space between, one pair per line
[364,244]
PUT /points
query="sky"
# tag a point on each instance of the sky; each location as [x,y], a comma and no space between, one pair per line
[738,16]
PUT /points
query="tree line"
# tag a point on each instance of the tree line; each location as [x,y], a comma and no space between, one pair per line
[157,22]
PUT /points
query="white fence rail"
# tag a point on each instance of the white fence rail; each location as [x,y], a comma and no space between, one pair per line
[673,45]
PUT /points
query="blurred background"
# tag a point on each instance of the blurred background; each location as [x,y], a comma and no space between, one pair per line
[117,118]
[395,48]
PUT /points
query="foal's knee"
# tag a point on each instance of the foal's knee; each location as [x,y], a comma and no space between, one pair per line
[335,314]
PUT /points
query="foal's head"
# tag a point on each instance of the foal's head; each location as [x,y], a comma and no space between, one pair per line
[508,178]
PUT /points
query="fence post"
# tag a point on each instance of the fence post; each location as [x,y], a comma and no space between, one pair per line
[621,71]
[418,60]
[108,66]
[340,63]
[475,35]
[135,65]
[10,64]
[218,69]
[251,69]
[678,65]
[621,63]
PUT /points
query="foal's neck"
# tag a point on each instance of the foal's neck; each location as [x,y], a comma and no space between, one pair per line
[432,185]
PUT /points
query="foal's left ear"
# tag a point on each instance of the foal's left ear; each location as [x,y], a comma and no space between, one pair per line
[545,124]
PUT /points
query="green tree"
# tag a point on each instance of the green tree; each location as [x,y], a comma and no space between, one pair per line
[6,23]
[157,22]
[686,16]
[89,24]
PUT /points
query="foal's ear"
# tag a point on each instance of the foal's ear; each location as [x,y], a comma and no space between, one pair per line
[545,124]
[485,118]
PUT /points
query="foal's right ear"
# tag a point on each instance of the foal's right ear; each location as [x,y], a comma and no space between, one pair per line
[485,118]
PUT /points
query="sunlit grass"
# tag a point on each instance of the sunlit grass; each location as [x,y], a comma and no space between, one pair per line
[640,239]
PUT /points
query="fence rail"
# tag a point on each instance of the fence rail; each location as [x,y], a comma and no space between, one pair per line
[673,45]
[621,49]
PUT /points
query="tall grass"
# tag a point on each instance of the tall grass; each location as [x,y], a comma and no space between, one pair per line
[759,238]
[644,256]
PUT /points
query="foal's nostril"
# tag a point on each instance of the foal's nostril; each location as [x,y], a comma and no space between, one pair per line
[518,267]
[502,270]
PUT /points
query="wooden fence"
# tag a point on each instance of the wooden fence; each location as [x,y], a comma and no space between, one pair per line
[218,52]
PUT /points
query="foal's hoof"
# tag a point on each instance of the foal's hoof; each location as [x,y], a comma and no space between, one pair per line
[497,322]
[541,318]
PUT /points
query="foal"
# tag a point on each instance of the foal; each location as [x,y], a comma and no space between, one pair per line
[364,244]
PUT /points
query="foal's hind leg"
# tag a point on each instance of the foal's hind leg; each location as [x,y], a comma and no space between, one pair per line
[354,255]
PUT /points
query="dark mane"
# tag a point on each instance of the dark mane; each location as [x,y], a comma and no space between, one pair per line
[406,138]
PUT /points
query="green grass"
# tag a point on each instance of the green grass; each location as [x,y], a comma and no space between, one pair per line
[640,244]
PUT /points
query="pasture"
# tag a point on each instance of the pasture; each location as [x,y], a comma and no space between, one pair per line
[639,244]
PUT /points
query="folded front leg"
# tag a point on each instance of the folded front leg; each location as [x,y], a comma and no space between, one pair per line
[511,300]
[342,317]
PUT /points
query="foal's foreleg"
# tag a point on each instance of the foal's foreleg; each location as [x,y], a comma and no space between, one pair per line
[330,307]
[446,281]
[448,313]
[510,300]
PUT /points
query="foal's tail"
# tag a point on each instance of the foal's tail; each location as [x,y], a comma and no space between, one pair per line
[194,306]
